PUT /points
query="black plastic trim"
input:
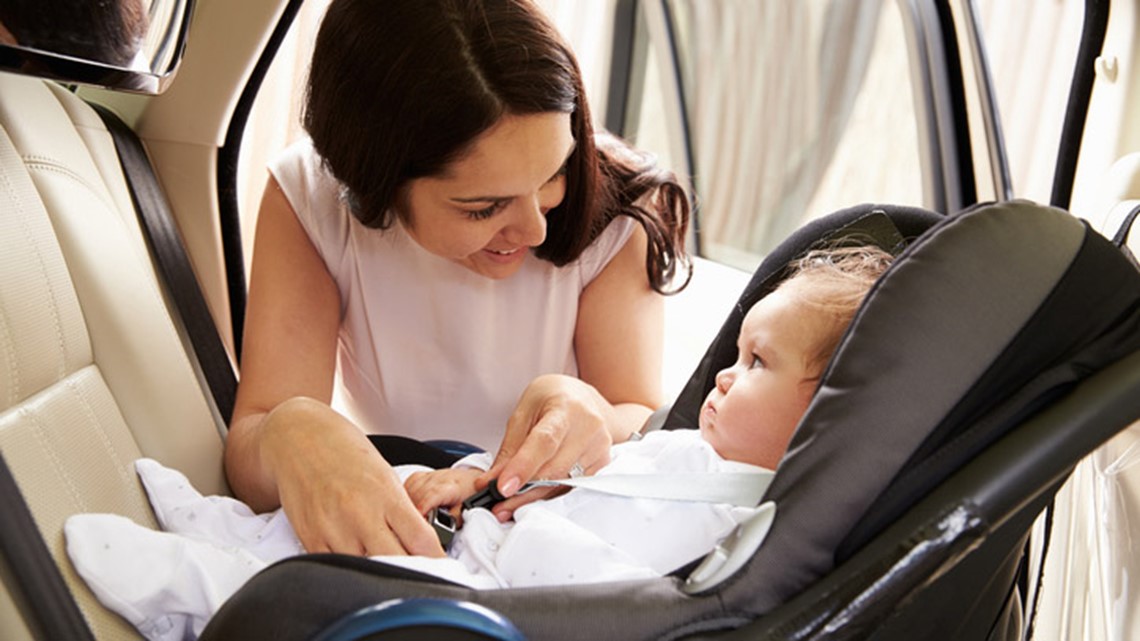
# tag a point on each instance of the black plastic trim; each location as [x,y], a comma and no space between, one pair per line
[686,127]
[29,572]
[229,155]
[1080,94]
[952,66]
[621,65]
[991,114]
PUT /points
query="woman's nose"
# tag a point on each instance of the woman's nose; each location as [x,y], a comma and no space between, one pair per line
[528,226]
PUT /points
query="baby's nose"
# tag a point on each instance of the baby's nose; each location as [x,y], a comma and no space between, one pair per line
[724,379]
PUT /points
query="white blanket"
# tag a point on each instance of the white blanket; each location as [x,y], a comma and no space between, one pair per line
[168,584]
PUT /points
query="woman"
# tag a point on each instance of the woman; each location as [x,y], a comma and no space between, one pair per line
[451,236]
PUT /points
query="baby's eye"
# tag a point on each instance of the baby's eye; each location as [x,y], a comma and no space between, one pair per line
[486,212]
[756,362]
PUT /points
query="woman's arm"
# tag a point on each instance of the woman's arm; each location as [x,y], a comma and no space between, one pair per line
[561,420]
[289,346]
[620,337]
[286,446]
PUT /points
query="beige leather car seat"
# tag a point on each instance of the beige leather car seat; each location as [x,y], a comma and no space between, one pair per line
[93,367]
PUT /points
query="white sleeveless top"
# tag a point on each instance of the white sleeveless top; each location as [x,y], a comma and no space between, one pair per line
[427,348]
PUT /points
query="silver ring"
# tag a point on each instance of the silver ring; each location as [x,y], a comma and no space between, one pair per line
[576,470]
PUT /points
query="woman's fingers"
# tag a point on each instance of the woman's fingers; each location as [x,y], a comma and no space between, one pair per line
[534,457]
[359,507]
[553,449]
[532,406]
[505,510]
[392,527]
[413,534]
[559,425]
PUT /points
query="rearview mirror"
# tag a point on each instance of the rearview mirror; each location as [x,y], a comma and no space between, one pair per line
[132,45]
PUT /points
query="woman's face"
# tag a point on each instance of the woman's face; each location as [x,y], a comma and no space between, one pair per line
[487,209]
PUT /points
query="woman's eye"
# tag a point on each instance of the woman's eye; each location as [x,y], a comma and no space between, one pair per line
[486,212]
[561,172]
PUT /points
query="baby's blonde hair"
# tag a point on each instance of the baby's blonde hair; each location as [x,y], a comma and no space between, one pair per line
[834,281]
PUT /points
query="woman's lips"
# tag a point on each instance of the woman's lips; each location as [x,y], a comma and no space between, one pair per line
[504,255]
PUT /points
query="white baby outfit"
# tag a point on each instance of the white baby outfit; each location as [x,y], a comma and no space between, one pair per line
[168,584]
[417,328]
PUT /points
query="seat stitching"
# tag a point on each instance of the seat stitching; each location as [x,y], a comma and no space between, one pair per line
[9,348]
[53,457]
[33,162]
[43,163]
[21,210]
[99,428]
[46,164]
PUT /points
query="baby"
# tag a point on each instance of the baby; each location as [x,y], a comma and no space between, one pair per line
[169,583]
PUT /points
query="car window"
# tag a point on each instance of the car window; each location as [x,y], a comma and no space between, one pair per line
[795,109]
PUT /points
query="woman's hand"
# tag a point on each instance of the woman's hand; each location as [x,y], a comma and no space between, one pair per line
[339,493]
[562,422]
[286,446]
[442,488]
[559,422]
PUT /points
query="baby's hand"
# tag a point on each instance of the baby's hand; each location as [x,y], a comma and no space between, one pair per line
[441,488]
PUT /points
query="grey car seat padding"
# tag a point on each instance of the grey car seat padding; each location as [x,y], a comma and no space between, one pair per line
[907,389]
[958,338]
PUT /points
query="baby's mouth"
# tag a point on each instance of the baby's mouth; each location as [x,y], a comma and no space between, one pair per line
[709,410]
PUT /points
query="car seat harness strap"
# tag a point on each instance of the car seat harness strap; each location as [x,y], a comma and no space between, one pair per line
[743,489]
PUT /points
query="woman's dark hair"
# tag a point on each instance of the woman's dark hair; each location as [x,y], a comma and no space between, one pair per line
[399,89]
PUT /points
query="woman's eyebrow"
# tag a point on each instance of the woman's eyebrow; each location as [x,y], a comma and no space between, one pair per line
[501,199]
[482,199]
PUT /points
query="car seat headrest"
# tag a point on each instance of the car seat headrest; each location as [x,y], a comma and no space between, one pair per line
[980,322]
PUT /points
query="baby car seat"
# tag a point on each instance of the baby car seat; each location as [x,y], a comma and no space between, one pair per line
[999,349]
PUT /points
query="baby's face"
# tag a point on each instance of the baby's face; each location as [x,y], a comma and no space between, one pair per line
[750,415]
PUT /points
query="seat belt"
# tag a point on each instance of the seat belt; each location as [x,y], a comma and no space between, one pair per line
[166,247]
[40,593]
